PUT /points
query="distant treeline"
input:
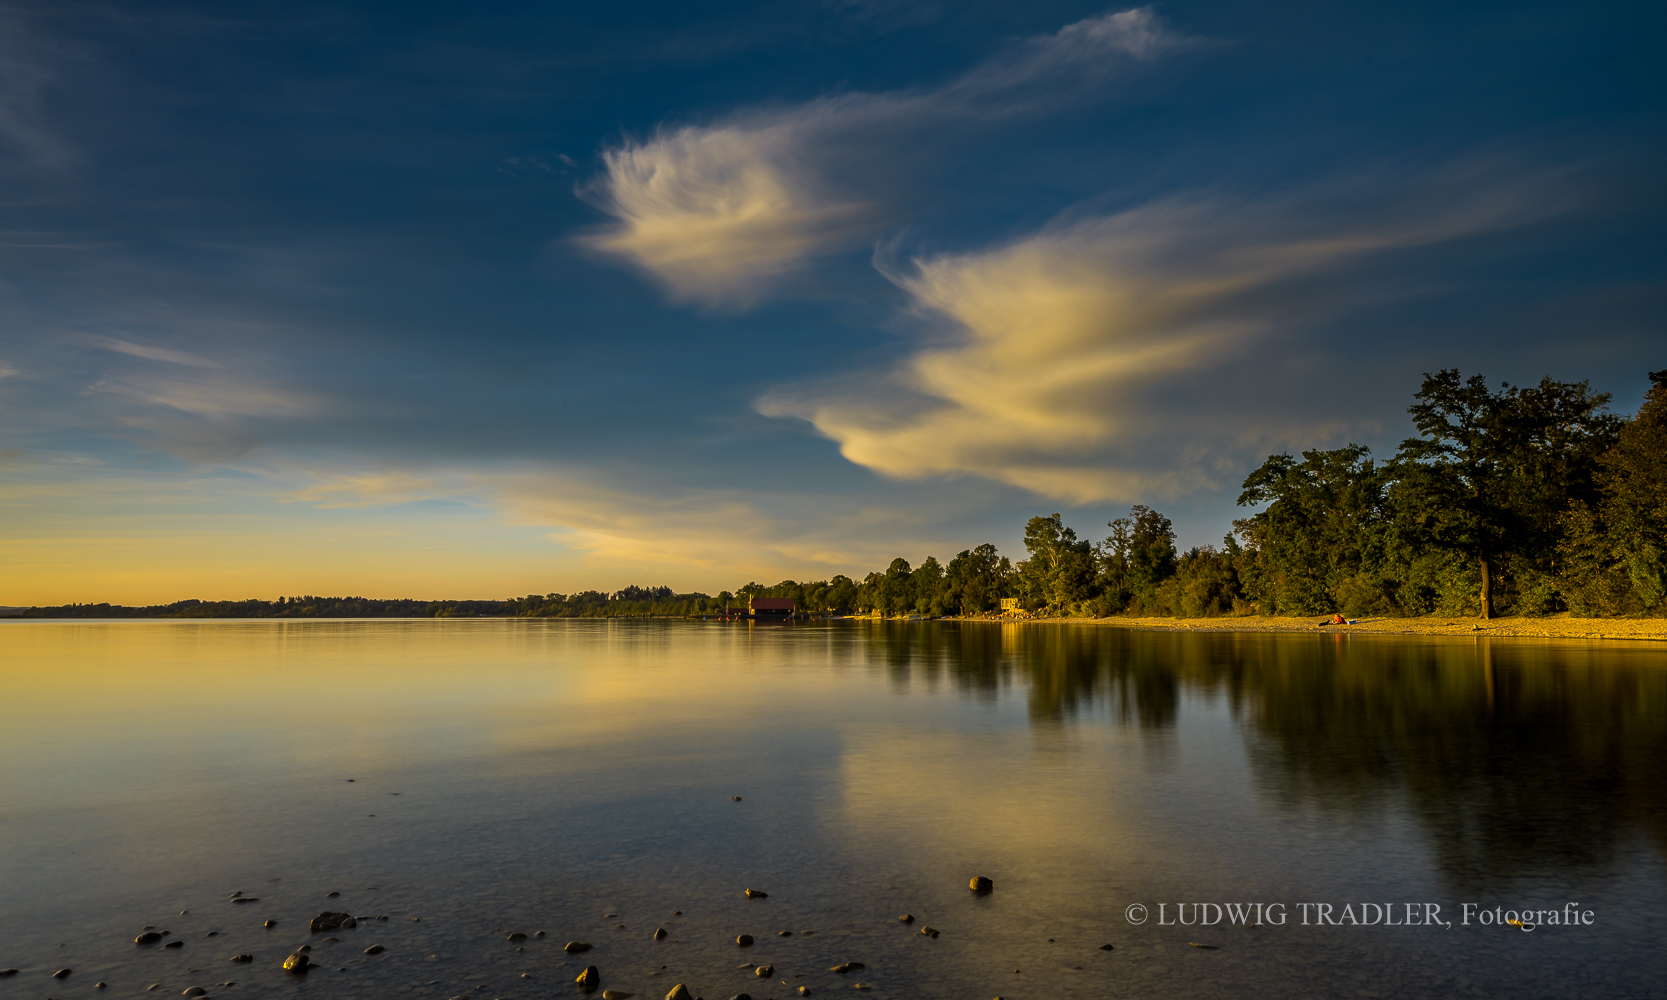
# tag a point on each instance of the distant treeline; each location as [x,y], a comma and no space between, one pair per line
[1522,500]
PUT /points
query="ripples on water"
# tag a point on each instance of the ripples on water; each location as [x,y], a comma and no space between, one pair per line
[517,776]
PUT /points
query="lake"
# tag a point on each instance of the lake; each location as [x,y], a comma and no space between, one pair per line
[1159,793]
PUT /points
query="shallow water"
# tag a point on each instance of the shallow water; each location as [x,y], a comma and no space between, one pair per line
[518,776]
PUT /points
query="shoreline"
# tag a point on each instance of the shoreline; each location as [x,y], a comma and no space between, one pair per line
[1558,626]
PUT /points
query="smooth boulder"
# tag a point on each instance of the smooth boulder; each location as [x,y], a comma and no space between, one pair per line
[328,921]
[589,979]
[575,947]
[375,949]
[149,937]
[298,962]
[744,940]
[979,883]
[680,992]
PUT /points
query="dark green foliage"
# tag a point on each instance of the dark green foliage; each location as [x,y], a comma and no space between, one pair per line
[1616,550]
[977,580]
[1525,499]
[1060,573]
[1322,534]
[1493,475]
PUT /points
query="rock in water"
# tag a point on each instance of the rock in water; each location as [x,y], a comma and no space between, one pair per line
[174,944]
[270,923]
[61,973]
[589,979]
[195,991]
[757,894]
[517,936]
[535,933]
[741,996]
[149,937]
[744,940]
[246,899]
[242,958]
[575,947]
[1206,947]
[930,932]
[7,972]
[616,995]
[375,949]
[101,985]
[845,967]
[1106,947]
[765,971]
[784,933]
[328,921]
[980,884]
[659,933]
[907,918]
[297,962]
[804,991]
[680,992]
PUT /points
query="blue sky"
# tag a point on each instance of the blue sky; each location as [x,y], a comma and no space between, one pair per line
[425,300]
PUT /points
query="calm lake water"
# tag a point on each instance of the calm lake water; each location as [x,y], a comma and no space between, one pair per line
[524,776]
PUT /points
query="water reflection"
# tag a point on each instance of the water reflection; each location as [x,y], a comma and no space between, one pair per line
[1517,758]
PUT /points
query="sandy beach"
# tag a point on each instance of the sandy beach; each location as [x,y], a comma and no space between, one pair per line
[1560,626]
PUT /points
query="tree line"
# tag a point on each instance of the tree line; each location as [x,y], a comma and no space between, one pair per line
[1521,500]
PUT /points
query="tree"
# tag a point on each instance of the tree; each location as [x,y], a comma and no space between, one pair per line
[976,580]
[927,582]
[1060,570]
[1617,551]
[1493,474]
[1320,540]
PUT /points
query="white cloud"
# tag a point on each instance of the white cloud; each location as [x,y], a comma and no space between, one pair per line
[717,213]
[1120,357]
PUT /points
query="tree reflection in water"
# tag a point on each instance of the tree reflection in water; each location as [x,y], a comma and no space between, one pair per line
[1517,758]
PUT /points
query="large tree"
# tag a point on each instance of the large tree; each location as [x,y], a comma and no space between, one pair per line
[1320,533]
[1493,473]
[1060,570]
[1136,558]
[977,579]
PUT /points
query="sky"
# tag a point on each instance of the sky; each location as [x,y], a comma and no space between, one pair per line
[470,301]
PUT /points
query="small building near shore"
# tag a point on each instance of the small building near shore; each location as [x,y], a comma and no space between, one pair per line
[772,607]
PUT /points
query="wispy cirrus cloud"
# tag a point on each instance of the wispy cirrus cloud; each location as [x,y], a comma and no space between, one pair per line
[1125,356]
[151,352]
[621,523]
[717,213]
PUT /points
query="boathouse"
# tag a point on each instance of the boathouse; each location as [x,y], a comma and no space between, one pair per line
[772,607]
